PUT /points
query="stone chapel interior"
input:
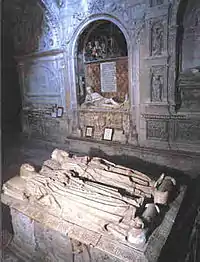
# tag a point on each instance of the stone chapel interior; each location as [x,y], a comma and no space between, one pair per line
[118,80]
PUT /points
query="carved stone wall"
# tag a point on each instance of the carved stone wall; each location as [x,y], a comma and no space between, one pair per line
[42,79]
[33,26]
[191,36]
[163,102]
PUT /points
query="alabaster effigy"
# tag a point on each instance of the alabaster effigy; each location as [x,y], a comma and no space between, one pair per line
[100,198]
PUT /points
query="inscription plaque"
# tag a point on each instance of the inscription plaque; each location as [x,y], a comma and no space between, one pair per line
[108,77]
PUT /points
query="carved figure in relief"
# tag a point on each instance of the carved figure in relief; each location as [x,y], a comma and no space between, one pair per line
[157,44]
[157,88]
[97,100]
[88,51]
[103,50]
[96,50]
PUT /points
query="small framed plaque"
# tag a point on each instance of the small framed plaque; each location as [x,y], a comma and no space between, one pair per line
[89,131]
[59,111]
[108,134]
[53,114]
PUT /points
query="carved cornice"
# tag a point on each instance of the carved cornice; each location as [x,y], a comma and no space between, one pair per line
[40,54]
[153,116]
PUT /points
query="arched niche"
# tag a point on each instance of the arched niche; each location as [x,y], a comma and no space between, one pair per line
[188,35]
[102,62]
[188,56]
[191,36]
[85,69]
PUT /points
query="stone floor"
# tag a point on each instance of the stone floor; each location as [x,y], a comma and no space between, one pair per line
[17,150]
[9,256]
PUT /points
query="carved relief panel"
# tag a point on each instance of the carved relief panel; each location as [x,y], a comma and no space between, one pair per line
[157,130]
[157,39]
[188,131]
[43,80]
[157,83]
[38,78]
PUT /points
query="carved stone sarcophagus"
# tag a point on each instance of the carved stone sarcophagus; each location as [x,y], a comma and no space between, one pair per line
[105,206]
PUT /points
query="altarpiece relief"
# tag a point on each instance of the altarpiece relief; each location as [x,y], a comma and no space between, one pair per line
[103,47]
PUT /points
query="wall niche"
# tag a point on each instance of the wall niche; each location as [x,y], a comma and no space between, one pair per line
[102,55]
[102,82]
[189,57]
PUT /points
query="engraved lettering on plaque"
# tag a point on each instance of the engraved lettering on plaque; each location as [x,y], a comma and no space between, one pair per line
[108,77]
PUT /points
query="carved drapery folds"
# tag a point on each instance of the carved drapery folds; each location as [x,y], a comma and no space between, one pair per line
[157,39]
[99,196]
[157,84]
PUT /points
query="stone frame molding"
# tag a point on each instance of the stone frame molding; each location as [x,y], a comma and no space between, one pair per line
[133,60]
